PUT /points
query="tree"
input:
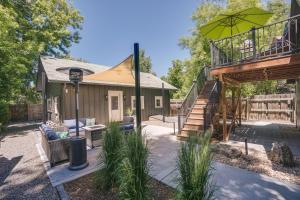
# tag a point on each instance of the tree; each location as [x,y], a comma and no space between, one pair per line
[29,29]
[145,62]
[175,78]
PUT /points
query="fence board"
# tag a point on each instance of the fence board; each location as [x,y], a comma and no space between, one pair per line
[25,112]
[273,107]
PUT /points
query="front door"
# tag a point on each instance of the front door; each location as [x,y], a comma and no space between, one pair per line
[115,105]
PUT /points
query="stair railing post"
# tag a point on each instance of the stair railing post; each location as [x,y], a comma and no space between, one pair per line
[253,42]
[179,123]
[204,119]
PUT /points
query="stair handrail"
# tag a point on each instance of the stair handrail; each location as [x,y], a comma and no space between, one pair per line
[212,104]
[191,96]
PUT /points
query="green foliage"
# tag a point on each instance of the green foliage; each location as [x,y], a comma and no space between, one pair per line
[145,62]
[28,29]
[112,146]
[4,112]
[260,87]
[133,170]
[175,77]
[195,166]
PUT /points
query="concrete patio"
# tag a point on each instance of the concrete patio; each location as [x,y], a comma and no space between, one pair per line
[233,183]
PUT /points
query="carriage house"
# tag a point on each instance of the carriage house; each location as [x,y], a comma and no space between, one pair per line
[106,94]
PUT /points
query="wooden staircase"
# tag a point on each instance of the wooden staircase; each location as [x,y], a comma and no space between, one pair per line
[194,123]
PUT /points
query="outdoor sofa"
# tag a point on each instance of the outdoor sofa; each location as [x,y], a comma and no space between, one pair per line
[55,148]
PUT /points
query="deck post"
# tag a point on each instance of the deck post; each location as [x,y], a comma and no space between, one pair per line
[224,108]
[240,107]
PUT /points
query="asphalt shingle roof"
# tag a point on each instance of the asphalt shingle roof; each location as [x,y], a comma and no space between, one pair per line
[51,65]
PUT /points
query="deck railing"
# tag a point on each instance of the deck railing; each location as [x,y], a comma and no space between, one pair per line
[276,39]
[212,105]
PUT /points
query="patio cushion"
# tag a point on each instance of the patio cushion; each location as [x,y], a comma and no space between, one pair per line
[73,130]
[51,135]
[127,126]
[71,123]
[62,135]
[44,126]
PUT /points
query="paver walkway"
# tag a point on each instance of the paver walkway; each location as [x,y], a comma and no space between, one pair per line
[22,174]
[233,183]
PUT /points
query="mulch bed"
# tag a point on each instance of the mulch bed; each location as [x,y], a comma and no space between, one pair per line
[85,188]
[257,161]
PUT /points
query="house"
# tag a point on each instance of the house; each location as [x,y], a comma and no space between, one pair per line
[106,94]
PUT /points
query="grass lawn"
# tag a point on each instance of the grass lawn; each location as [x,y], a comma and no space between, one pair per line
[85,188]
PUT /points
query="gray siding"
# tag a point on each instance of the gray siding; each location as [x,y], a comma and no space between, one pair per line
[93,101]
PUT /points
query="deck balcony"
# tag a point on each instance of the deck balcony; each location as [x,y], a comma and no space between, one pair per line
[270,52]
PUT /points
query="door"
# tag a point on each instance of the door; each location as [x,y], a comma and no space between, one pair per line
[115,105]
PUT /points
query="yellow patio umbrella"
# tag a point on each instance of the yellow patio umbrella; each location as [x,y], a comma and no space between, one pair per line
[231,23]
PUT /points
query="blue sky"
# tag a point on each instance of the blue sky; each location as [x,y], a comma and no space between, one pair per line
[112,26]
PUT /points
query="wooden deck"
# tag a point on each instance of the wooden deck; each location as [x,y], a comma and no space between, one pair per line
[276,68]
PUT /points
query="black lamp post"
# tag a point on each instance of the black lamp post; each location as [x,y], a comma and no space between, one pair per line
[78,155]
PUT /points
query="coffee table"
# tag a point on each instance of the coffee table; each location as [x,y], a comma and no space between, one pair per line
[94,134]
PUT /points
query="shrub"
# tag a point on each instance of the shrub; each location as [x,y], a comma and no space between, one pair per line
[133,171]
[112,146]
[4,112]
[195,166]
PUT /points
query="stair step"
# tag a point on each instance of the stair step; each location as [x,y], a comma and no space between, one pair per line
[202,100]
[199,106]
[195,121]
[196,117]
[192,126]
[188,133]
[196,114]
[197,111]
[184,134]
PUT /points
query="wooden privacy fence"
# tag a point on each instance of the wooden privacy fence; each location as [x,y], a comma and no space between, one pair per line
[26,112]
[273,107]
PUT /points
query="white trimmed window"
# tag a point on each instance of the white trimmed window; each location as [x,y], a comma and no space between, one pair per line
[158,102]
[133,103]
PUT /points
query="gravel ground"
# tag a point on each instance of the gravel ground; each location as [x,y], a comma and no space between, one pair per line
[22,174]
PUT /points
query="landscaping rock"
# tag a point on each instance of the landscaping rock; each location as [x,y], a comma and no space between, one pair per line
[281,153]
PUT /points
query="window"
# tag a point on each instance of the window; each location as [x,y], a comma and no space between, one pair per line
[158,102]
[133,103]
[114,103]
